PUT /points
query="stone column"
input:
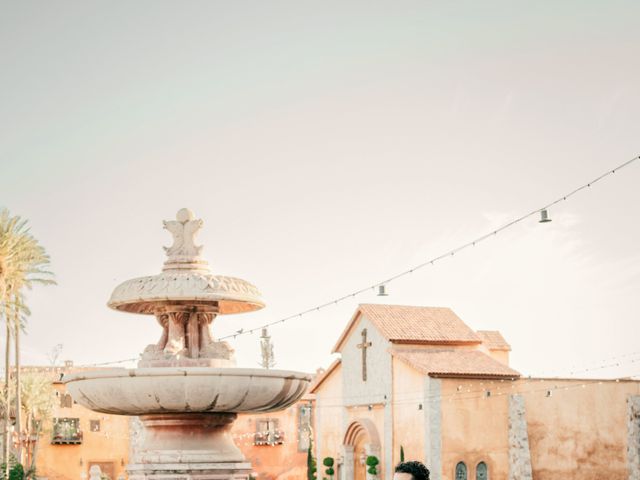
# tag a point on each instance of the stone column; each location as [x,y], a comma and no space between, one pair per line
[388,439]
[193,334]
[163,320]
[176,334]
[519,453]
[633,437]
[346,472]
[431,405]
[205,334]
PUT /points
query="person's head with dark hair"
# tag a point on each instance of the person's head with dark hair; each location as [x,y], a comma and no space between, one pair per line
[411,471]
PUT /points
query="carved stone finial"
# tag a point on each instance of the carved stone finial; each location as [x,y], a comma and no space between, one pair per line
[184,215]
[184,230]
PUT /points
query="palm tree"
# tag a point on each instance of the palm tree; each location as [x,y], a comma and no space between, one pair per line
[38,398]
[23,263]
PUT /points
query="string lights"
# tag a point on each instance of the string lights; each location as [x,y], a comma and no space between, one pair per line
[542,211]
[547,388]
[381,286]
[467,390]
[492,390]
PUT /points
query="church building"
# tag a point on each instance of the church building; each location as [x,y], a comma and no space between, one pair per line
[418,383]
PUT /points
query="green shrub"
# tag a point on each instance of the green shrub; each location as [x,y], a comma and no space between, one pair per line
[16,470]
[311,464]
[328,462]
[372,462]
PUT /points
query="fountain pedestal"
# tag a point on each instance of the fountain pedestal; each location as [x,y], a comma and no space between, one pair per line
[191,446]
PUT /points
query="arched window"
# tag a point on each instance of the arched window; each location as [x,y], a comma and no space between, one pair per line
[461,471]
[482,472]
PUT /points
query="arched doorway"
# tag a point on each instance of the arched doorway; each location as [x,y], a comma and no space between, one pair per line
[360,440]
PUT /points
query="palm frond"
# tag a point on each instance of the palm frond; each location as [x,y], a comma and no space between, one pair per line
[23,264]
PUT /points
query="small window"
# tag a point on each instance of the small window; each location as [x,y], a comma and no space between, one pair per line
[66,431]
[94,425]
[36,426]
[482,472]
[66,401]
[461,471]
[267,432]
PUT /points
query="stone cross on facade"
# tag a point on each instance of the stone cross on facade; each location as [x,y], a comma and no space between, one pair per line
[363,346]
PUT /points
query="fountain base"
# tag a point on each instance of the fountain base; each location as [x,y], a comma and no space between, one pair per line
[184,446]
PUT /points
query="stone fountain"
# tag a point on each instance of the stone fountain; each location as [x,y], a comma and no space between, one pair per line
[186,390]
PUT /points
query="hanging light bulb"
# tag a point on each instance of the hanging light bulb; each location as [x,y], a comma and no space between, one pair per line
[544,216]
[382,291]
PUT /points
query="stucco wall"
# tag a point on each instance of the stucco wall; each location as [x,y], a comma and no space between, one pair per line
[378,384]
[408,413]
[377,391]
[474,426]
[579,432]
[328,416]
[277,462]
[500,355]
[67,462]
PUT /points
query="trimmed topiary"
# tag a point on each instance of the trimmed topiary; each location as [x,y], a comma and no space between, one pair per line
[372,462]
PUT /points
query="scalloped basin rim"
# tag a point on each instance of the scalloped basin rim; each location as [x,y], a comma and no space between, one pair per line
[183,372]
[161,390]
[230,294]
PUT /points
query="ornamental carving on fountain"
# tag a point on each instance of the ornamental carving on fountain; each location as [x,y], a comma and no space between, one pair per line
[185,299]
[186,389]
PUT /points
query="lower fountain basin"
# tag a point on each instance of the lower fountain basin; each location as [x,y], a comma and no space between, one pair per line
[143,391]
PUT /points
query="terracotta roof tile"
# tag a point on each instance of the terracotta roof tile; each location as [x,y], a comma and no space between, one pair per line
[400,323]
[454,363]
[493,340]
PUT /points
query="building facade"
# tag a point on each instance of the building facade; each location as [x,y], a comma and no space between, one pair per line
[276,443]
[74,439]
[418,380]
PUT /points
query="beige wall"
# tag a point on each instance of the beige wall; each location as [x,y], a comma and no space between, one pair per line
[579,432]
[408,418]
[356,391]
[277,462]
[500,355]
[67,462]
[328,418]
[332,419]
[475,427]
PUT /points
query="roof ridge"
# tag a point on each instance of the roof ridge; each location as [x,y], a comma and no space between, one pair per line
[412,324]
[400,305]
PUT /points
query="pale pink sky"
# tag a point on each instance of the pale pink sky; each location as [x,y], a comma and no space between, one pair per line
[328,146]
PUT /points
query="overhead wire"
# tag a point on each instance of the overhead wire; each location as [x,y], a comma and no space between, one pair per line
[442,256]
[426,263]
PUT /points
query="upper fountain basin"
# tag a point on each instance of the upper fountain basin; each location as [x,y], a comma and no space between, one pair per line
[222,294]
[142,391]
